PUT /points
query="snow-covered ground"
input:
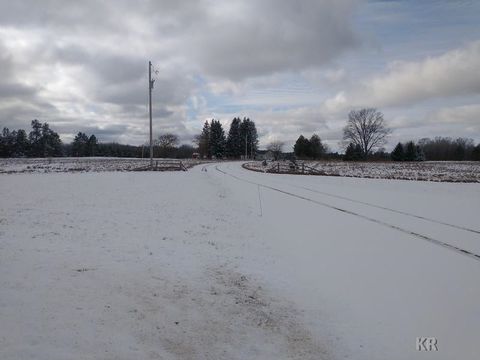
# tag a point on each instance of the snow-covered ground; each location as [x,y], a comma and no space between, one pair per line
[81,164]
[440,171]
[224,263]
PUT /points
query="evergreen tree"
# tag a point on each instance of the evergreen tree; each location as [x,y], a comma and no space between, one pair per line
[248,132]
[410,151]
[235,143]
[3,144]
[353,152]
[420,155]
[51,143]
[7,142]
[92,145]
[302,147]
[35,138]
[217,139]
[317,149]
[21,144]
[204,141]
[80,145]
[398,154]
[44,141]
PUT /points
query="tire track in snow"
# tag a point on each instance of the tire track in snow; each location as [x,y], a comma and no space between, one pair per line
[388,209]
[368,218]
[384,208]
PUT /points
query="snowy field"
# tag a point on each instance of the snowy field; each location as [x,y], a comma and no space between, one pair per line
[82,164]
[439,171]
[224,263]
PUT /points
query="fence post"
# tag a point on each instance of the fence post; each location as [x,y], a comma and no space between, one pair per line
[303,168]
[278,168]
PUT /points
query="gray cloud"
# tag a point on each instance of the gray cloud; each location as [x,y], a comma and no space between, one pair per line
[82,66]
[265,37]
[86,60]
[9,87]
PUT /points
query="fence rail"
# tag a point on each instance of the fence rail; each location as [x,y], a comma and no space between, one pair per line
[163,165]
[293,168]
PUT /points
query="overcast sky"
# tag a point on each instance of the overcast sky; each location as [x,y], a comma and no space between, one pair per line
[294,67]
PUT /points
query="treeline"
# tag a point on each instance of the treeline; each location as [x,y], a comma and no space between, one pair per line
[241,141]
[437,149]
[312,148]
[40,142]
[91,147]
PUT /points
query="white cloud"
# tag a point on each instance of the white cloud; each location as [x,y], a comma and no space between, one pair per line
[337,103]
[455,73]
[85,62]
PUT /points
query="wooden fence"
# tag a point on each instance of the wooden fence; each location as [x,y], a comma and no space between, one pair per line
[293,168]
[163,165]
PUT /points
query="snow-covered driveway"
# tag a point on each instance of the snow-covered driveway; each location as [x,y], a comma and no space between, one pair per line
[224,263]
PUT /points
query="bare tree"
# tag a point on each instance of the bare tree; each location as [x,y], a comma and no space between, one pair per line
[167,140]
[276,147]
[166,144]
[367,128]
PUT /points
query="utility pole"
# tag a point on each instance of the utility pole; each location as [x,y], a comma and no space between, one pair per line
[150,88]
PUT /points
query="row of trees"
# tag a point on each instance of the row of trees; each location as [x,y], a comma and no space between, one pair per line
[310,148]
[445,148]
[366,130]
[440,148]
[407,152]
[84,145]
[363,137]
[165,146]
[212,142]
[40,142]
[242,139]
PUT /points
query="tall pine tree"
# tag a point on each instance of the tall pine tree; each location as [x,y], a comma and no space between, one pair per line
[302,147]
[35,138]
[80,145]
[217,139]
[22,146]
[234,140]
[204,141]
[249,136]
[92,145]
[398,154]
[353,153]
[410,151]
[52,145]
[317,149]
